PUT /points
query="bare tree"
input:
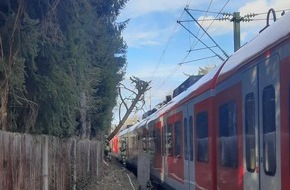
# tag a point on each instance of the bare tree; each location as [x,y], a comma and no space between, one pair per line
[9,61]
[130,103]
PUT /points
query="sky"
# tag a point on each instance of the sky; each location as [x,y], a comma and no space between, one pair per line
[158,46]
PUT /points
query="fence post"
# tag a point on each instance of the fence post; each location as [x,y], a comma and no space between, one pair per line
[73,164]
[88,158]
[45,163]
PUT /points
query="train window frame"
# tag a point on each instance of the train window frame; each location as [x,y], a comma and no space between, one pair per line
[202,144]
[177,139]
[191,137]
[185,134]
[269,127]
[250,124]
[228,135]
[164,140]
[169,140]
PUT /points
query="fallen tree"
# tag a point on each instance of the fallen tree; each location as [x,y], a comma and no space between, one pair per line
[130,103]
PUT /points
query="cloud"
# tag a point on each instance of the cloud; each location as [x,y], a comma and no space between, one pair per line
[142,38]
[136,8]
[148,34]
[264,6]
[151,22]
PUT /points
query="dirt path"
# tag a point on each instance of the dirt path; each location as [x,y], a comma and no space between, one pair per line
[115,177]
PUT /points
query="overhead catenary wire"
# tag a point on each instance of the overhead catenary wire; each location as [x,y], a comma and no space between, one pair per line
[163,53]
[166,46]
[197,49]
[211,22]
[179,65]
[196,60]
[225,13]
[221,58]
[206,12]
[170,75]
[227,56]
[207,47]
[246,18]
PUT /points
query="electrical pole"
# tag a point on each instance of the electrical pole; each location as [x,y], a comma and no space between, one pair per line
[237,30]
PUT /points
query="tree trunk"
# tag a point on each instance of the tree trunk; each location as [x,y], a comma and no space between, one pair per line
[4,105]
[127,114]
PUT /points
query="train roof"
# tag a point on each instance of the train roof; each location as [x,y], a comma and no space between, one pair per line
[270,37]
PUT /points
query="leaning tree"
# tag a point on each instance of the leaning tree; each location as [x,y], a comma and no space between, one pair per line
[130,103]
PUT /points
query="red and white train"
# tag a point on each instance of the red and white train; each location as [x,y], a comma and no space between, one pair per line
[230,130]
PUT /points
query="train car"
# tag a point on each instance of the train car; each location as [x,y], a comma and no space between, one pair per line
[229,130]
[252,103]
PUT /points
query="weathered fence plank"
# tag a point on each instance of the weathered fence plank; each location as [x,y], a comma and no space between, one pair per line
[29,162]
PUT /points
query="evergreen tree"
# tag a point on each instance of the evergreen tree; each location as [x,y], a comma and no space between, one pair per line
[60,64]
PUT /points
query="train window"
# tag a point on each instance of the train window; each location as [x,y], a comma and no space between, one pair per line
[250,132]
[169,140]
[152,142]
[177,139]
[202,136]
[163,140]
[269,130]
[191,138]
[157,140]
[185,133]
[228,141]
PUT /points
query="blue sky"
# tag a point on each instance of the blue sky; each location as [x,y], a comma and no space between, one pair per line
[157,43]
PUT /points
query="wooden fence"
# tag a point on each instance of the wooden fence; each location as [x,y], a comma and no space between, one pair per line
[29,162]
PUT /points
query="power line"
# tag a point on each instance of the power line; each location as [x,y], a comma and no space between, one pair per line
[169,39]
[203,11]
[200,49]
[225,13]
[227,56]
[196,60]
[193,45]
[170,75]
[163,53]
[166,46]
[201,41]
[203,19]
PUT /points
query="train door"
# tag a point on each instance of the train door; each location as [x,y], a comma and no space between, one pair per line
[204,129]
[261,126]
[164,160]
[174,150]
[156,149]
[188,148]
